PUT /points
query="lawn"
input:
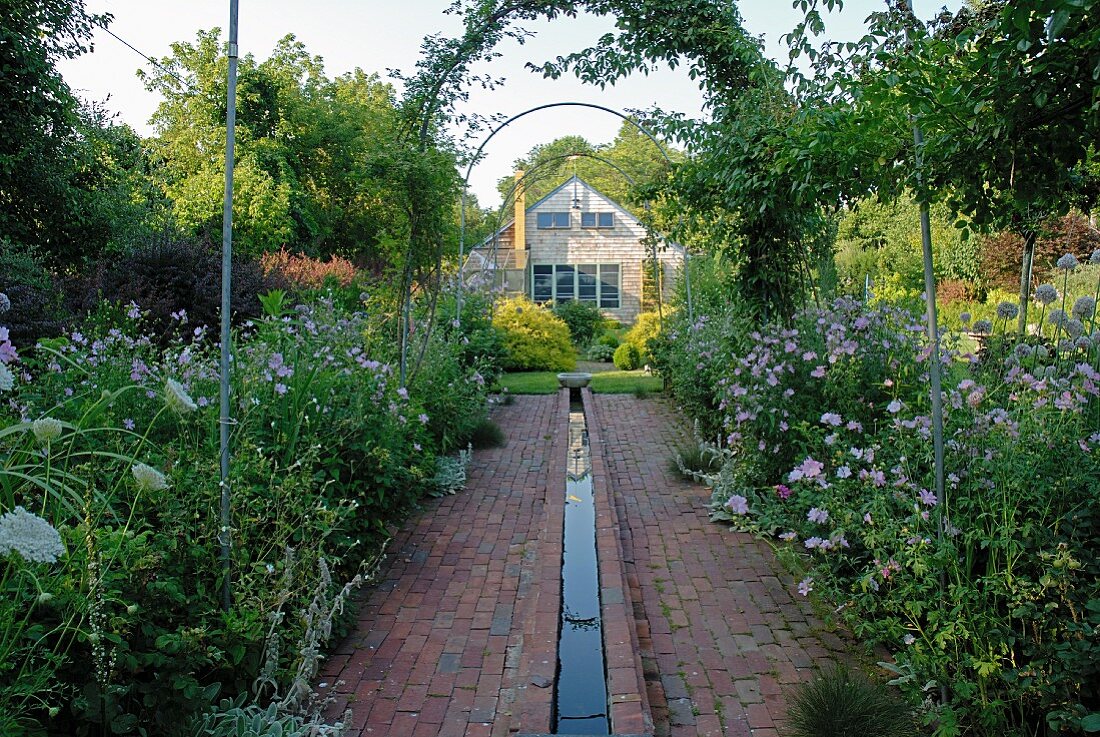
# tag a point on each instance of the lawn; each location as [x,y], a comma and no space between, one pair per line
[606,382]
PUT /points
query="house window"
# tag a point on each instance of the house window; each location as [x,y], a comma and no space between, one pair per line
[547,220]
[609,286]
[597,220]
[594,284]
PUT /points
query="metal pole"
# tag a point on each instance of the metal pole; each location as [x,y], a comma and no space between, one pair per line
[461,251]
[934,367]
[224,420]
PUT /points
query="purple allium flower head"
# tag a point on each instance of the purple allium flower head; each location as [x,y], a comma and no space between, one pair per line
[1067,262]
[1046,294]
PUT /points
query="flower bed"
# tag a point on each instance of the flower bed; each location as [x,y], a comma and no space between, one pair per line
[113,442]
[990,589]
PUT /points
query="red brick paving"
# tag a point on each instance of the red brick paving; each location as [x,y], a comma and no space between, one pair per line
[458,639]
[722,632]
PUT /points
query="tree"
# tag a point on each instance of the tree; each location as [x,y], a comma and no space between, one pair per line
[313,153]
[64,168]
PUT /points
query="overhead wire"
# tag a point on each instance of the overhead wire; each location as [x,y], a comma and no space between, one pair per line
[142,54]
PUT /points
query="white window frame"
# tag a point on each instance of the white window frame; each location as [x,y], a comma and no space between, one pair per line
[576,268]
[554,217]
[597,217]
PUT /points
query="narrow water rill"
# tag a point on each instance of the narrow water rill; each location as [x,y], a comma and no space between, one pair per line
[581,688]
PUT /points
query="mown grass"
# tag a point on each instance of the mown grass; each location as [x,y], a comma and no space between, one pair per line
[607,382]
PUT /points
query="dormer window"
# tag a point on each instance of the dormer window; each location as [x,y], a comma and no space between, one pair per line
[547,220]
[597,220]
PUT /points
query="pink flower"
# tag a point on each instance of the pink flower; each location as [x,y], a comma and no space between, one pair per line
[894,407]
[789,536]
[783,491]
[831,418]
[810,468]
[818,515]
[818,372]
[738,504]
[805,586]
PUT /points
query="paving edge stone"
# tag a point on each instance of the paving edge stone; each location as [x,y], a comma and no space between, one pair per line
[629,705]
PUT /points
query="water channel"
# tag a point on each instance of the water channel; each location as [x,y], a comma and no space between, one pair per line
[581,688]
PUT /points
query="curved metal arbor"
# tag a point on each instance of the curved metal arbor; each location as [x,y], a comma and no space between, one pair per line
[480,149]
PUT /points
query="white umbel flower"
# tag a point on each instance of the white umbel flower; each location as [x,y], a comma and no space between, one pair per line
[148,478]
[46,429]
[177,398]
[31,536]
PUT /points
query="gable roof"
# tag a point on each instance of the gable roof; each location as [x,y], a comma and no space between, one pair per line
[622,210]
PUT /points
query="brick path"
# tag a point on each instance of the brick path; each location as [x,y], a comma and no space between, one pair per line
[722,631]
[458,639]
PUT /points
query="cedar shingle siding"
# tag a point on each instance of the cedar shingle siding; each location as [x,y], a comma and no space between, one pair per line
[576,245]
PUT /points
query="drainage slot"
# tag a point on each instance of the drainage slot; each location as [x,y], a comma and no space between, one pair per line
[581,689]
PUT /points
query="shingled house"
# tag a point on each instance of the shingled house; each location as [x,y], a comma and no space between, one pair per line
[573,244]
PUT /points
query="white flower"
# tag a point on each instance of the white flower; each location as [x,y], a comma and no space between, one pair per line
[176,397]
[148,478]
[7,378]
[31,536]
[47,429]
[1067,262]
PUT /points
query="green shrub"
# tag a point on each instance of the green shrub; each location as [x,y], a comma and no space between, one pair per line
[534,338]
[646,329]
[600,352]
[610,340]
[841,703]
[627,357]
[584,320]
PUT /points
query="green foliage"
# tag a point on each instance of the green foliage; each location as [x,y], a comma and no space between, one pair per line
[627,357]
[599,352]
[317,165]
[883,241]
[841,703]
[488,434]
[645,330]
[583,320]
[534,338]
[608,339]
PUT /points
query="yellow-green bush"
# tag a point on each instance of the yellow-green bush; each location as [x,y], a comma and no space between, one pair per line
[535,339]
[627,357]
[646,328]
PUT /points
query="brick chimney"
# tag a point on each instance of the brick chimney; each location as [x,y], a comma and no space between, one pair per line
[519,231]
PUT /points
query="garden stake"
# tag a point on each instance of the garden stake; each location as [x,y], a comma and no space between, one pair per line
[227,274]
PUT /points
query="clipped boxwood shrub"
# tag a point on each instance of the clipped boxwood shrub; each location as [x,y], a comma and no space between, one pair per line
[535,339]
[627,357]
[609,339]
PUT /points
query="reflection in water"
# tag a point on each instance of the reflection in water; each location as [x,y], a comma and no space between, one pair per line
[581,701]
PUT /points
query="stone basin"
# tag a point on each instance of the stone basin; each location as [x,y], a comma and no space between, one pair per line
[574,380]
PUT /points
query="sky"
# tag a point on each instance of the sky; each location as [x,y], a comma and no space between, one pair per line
[374,36]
